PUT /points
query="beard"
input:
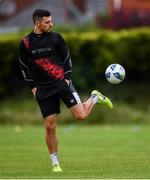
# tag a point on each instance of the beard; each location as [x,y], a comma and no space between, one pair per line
[46,30]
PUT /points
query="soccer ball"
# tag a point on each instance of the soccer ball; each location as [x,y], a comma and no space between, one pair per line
[115,73]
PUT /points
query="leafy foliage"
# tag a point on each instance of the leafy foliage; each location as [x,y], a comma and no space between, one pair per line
[91,52]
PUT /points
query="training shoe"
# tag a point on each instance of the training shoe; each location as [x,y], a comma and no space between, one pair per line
[102,99]
[57,168]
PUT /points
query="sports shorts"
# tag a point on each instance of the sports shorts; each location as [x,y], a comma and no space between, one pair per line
[49,103]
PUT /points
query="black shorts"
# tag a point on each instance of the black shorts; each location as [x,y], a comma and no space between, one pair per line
[49,103]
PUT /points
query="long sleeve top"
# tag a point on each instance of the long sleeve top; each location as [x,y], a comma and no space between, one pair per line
[44,59]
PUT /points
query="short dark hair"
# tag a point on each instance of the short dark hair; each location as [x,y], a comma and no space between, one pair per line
[40,13]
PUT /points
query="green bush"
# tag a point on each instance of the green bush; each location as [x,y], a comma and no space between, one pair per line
[95,52]
[91,53]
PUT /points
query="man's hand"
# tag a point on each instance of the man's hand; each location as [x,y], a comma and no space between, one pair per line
[34,91]
[67,81]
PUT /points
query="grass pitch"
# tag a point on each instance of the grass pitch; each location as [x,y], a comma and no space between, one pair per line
[92,152]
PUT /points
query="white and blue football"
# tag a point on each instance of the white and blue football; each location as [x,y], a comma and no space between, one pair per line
[115,73]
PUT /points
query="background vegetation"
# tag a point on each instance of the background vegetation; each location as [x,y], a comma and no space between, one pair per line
[91,51]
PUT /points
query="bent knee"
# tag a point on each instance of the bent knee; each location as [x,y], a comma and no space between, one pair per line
[81,116]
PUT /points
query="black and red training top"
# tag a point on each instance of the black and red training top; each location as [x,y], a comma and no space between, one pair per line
[44,59]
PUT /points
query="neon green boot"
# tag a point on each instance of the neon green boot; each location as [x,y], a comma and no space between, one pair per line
[102,99]
[57,168]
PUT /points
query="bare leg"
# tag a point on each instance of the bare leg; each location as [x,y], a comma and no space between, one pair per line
[51,140]
[50,127]
[81,111]
[88,105]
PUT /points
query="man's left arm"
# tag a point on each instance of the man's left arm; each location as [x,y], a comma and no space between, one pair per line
[65,57]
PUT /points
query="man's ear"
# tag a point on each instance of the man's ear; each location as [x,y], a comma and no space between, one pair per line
[37,23]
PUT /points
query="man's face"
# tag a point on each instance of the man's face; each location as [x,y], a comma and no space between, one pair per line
[45,24]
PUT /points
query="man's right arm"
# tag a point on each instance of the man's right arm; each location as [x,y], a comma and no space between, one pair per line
[24,65]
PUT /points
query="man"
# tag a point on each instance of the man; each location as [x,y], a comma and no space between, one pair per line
[46,67]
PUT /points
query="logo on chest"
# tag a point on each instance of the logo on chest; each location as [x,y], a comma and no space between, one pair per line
[41,50]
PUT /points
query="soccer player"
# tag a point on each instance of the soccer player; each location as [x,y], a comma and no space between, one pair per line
[46,67]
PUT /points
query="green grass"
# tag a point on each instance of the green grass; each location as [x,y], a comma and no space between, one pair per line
[84,152]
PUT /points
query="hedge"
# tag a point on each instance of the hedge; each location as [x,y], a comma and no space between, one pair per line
[91,53]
